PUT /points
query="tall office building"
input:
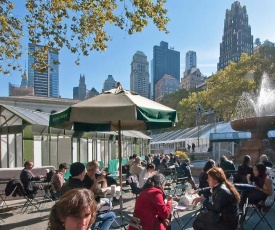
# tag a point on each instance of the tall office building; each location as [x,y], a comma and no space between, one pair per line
[166,85]
[109,83]
[46,84]
[237,38]
[190,60]
[165,61]
[139,77]
[79,92]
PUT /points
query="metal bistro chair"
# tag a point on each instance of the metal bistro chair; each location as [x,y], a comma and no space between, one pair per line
[135,222]
[29,197]
[179,183]
[262,209]
[134,184]
[3,200]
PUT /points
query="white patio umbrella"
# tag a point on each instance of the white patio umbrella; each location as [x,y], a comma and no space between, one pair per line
[115,110]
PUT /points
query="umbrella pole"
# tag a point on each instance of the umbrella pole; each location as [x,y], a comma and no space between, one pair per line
[120,164]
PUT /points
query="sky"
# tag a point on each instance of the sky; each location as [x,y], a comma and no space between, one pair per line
[195,25]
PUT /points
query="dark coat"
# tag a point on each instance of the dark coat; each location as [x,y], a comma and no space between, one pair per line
[222,211]
[71,184]
[28,179]
[227,165]
[243,170]
[10,188]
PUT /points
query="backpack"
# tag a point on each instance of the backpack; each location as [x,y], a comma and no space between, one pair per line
[134,184]
[49,176]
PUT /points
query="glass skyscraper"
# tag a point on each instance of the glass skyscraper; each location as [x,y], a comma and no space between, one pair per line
[190,60]
[237,38]
[165,61]
[46,84]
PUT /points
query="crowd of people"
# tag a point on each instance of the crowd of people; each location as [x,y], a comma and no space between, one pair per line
[221,199]
[82,204]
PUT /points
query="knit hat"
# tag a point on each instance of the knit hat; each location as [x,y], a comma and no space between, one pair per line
[158,179]
[76,168]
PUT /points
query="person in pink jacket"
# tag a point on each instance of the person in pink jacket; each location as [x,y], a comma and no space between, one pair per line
[151,207]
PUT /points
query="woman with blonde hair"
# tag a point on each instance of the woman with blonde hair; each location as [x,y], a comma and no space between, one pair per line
[222,212]
[76,210]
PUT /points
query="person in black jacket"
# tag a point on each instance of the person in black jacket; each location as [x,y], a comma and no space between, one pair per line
[222,212]
[243,170]
[28,178]
[203,183]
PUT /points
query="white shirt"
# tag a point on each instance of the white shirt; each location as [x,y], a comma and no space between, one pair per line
[144,174]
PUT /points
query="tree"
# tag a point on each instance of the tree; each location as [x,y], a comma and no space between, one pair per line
[79,25]
[172,100]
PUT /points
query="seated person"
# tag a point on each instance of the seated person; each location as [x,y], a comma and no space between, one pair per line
[131,160]
[92,180]
[96,182]
[243,170]
[150,207]
[163,167]
[265,161]
[185,171]
[136,168]
[156,161]
[263,186]
[58,179]
[222,212]
[146,173]
[226,164]
[28,180]
[75,210]
[203,178]
[77,170]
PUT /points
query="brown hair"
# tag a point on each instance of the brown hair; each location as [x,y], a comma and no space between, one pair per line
[71,204]
[218,174]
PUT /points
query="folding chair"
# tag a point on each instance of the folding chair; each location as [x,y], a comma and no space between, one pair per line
[262,208]
[179,182]
[29,197]
[3,199]
[135,222]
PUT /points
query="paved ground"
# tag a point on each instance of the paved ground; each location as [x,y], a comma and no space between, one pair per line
[34,220]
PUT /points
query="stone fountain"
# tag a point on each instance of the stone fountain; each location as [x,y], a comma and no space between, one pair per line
[256,114]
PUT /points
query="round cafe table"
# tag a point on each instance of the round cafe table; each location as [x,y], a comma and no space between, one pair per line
[244,187]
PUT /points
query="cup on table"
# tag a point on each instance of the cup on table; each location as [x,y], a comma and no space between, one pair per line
[113,189]
[190,207]
[117,194]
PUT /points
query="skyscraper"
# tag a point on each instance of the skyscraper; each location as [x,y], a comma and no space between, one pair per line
[46,84]
[139,77]
[237,38]
[165,61]
[79,92]
[190,60]
[109,83]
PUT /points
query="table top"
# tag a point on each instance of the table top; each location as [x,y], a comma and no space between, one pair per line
[244,187]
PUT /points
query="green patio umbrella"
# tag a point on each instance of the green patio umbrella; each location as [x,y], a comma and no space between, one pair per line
[115,110]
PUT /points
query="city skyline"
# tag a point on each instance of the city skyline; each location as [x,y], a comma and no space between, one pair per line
[194,25]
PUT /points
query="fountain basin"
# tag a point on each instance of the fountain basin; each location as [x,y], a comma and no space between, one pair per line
[258,126]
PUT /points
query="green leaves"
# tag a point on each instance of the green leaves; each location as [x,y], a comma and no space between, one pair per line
[225,88]
[78,25]
[10,34]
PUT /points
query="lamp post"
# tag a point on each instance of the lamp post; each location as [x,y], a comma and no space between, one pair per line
[199,110]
